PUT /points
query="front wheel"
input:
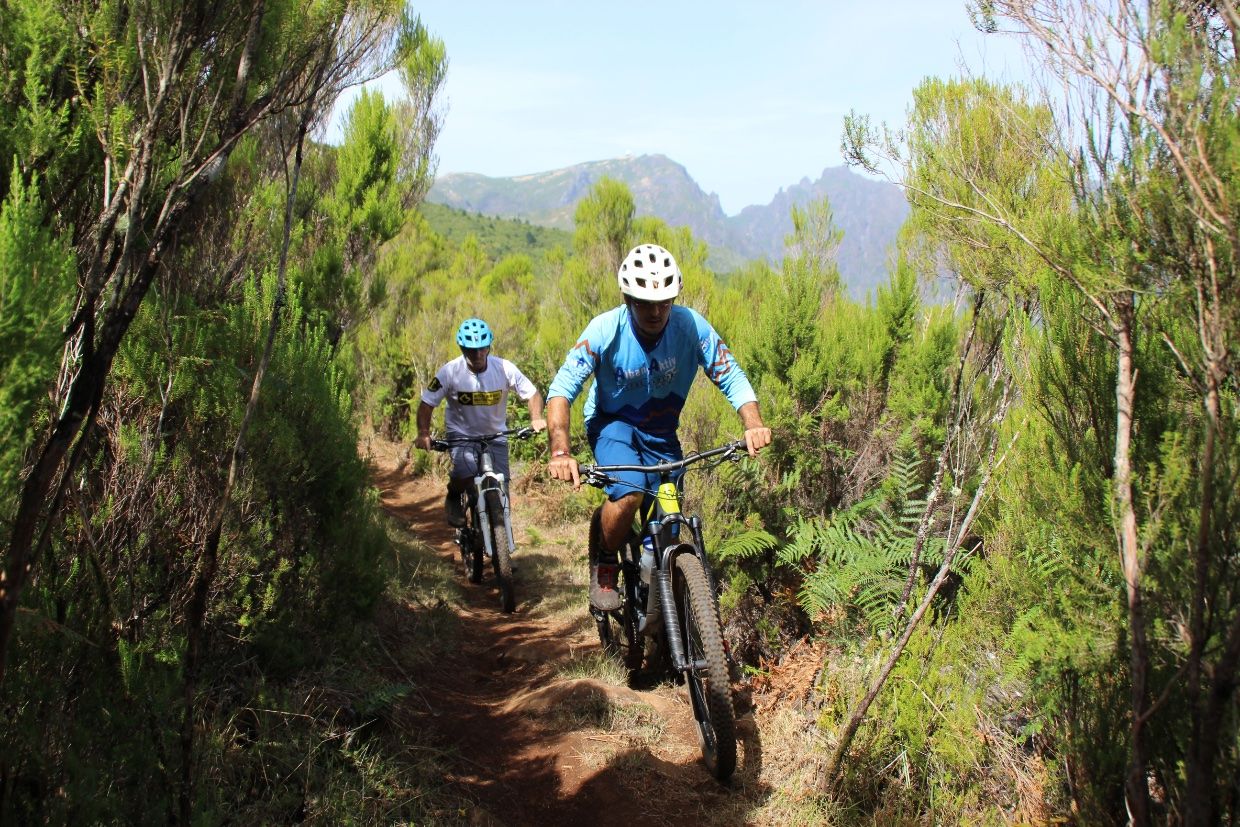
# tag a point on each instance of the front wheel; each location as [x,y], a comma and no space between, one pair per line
[710,691]
[502,548]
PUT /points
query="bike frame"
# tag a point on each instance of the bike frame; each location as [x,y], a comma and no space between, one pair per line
[662,522]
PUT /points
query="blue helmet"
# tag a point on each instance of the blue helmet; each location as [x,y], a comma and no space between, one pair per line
[474,333]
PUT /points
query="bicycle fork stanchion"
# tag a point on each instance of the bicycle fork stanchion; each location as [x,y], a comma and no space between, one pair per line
[484,519]
[487,468]
[671,620]
[512,541]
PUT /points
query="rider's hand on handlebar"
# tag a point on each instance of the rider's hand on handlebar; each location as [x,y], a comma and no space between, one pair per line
[423,441]
[538,425]
[564,467]
[756,439]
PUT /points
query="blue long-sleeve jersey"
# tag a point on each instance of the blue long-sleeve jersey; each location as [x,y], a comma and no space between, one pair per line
[647,386]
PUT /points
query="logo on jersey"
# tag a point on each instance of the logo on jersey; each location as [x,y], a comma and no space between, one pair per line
[479,397]
[662,375]
[434,385]
[626,378]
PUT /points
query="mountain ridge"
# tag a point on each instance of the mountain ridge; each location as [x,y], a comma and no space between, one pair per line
[868,212]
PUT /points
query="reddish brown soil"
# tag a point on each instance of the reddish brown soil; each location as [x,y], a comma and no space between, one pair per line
[512,727]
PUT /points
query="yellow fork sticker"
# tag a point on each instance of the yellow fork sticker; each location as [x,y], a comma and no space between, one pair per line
[669,498]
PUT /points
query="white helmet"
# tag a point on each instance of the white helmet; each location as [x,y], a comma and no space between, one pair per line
[649,273]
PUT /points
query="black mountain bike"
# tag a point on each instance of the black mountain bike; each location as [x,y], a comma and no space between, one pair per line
[674,603]
[487,532]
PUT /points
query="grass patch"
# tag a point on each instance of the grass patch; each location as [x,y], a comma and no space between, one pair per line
[596,665]
[640,724]
[593,711]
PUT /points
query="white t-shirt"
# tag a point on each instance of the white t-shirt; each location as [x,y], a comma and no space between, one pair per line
[477,402]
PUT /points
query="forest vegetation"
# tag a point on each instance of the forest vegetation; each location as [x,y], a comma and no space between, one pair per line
[1004,525]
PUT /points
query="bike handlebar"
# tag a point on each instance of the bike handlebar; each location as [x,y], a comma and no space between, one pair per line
[598,475]
[516,433]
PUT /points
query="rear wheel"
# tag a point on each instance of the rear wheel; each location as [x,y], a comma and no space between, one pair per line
[471,548]
[617,629]
[710,691]
[502,561]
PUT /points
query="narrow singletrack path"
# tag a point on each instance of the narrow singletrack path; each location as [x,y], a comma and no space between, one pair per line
[536,729]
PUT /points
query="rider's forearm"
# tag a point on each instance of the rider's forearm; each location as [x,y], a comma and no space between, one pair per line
[557,425]
[750,416]
[424,418]
[535,403]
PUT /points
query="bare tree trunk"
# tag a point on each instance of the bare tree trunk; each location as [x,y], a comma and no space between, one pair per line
[1205,723]
[1136,787]
[836,759]
[1201,800]
[936,484]
[41,489]
[200,591]
[1204,749]
[115,261]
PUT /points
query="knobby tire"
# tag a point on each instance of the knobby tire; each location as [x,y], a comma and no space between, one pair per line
[710,691]
[617,632]
[472,548]
[617,629]
[502,561]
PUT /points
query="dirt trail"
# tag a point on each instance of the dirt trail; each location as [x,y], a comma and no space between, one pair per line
[530,745]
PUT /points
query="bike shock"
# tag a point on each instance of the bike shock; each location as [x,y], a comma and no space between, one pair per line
[671,620]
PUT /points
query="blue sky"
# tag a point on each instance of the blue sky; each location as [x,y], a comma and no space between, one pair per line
[748,96]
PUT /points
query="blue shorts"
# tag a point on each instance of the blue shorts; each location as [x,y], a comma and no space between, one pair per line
[619,443]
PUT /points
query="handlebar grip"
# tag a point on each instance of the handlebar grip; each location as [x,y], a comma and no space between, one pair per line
[438,445]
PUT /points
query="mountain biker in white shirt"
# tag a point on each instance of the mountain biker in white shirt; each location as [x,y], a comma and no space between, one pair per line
[643,357]
[476,386]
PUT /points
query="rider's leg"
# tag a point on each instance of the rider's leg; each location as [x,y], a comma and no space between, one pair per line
[619,443]
[609,529]
[617,523]
[461,481]
[457,488]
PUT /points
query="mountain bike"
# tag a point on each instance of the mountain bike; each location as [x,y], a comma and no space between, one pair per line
[487,533]
[668,595]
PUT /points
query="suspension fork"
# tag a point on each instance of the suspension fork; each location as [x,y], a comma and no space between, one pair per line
[487,474]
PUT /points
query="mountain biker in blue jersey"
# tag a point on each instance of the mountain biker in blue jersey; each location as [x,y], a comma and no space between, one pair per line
[476,386]
[644,356]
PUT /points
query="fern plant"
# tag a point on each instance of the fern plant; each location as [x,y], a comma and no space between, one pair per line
[747,544]
[859,559]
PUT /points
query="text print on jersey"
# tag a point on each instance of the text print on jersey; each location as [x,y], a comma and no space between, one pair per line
[657,374]
[479,397]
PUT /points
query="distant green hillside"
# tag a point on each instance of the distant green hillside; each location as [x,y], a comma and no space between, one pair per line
[500,237]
